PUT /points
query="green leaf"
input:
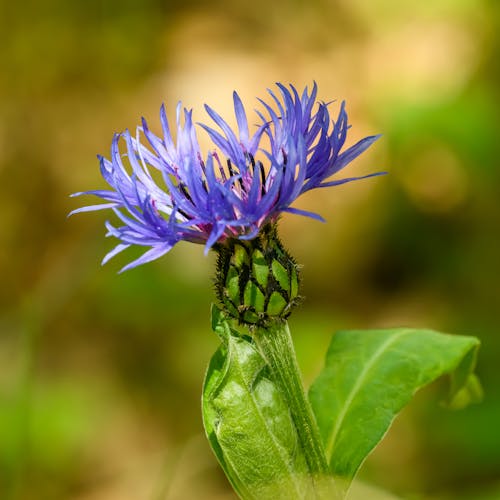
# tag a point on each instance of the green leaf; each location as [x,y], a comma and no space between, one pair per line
[248,423]
[369,376]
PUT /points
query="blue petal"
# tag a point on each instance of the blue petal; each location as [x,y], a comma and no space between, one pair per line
[349,179]
[92,208]
[119,248]
[352,153]
[305,213]
[241,117]
[237,153]
[150,255]
[217,232]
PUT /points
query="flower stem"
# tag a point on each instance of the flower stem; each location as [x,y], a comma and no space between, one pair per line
[276,346]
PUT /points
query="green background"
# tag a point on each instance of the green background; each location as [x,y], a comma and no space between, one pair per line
[100,374]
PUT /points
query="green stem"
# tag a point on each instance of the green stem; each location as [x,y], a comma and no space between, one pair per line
[276,346]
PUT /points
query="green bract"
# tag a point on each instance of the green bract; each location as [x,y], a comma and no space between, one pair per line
[257,280]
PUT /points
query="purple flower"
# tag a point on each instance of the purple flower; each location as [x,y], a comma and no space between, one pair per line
[168,191]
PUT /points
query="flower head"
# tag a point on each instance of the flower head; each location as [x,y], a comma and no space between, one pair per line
[164,190]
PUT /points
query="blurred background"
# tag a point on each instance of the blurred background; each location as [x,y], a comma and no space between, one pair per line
[100,374]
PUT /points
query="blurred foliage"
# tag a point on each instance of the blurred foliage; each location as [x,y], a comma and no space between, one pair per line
[100,375]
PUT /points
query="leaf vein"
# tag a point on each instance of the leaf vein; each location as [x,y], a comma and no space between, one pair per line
[356,387]
[276,444]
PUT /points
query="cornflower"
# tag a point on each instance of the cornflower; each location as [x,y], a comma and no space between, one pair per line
[227,193]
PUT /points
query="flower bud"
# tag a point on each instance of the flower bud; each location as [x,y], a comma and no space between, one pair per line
[257,280]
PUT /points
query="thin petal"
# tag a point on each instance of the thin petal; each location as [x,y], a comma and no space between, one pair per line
[241,117]
[352,153]
[305,213]
[92,208]
[150,255]
[349,179]
[119,248]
